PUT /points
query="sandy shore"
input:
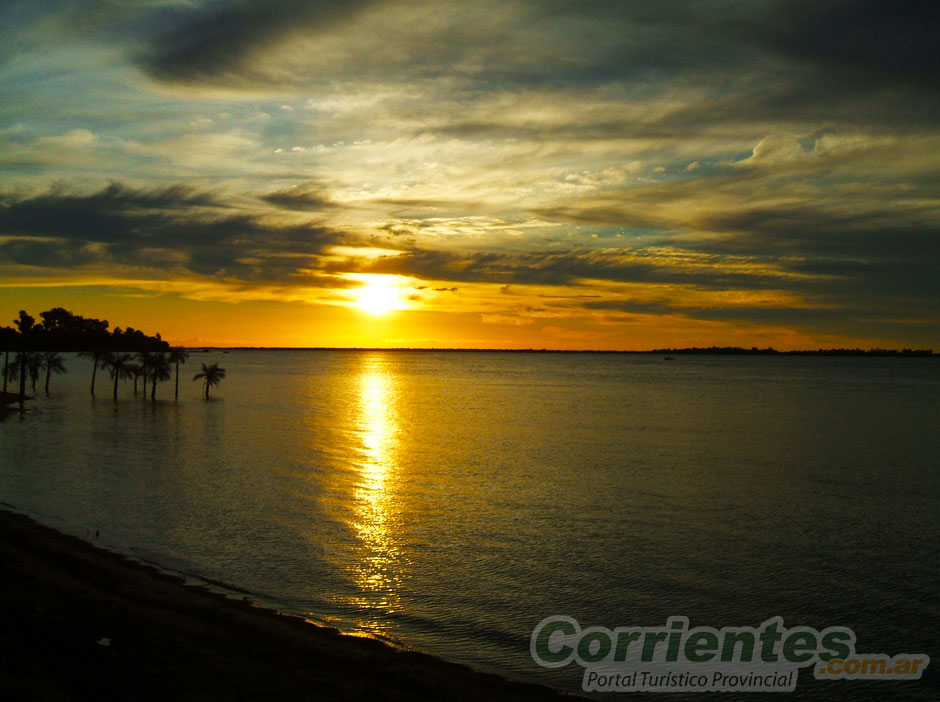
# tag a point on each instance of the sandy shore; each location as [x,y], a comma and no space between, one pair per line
[83,623]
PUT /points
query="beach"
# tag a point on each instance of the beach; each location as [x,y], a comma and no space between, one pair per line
[84,623]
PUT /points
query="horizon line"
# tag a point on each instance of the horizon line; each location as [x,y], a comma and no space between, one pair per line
[717,350]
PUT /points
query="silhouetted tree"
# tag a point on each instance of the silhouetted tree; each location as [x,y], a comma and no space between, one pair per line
[53,363]
[24,323]
[24,365]
[118,366]
[12,370]
[178,356]
[144,361]
[212,375]
[60,330]
[8,341]
[159,370]
[96,357]
[136,370]
[34,366]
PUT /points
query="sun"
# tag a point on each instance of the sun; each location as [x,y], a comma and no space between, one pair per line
[379,296]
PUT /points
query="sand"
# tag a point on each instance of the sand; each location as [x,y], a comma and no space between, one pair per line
[83,623]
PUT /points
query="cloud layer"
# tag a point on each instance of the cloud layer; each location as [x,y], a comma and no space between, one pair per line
[769,163]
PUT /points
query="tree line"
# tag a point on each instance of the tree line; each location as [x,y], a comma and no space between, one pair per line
[127,354]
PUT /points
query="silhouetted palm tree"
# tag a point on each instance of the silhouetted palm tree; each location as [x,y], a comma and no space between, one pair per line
[9,373]
[119,366]
[178,356]
[96,357]
[159,370]
[34,366]
[23,367]
[212,375]
[135,371]
[144,359]
[8,337]
[14,374]
[22,358]
[53,363]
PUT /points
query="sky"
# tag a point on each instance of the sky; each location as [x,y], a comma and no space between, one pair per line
[514,174]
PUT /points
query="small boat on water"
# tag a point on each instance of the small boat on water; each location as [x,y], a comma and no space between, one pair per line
[668,358]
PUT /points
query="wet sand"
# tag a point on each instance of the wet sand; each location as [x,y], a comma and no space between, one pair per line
[83,623]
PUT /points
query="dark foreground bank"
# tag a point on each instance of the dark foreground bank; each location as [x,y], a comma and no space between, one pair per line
[6,403]
[83,623]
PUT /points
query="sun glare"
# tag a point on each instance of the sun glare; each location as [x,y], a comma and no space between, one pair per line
[378,296]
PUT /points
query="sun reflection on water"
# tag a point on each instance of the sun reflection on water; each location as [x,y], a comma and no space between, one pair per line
[377,570]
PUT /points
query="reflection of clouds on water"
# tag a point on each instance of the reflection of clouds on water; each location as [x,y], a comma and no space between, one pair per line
[376,570]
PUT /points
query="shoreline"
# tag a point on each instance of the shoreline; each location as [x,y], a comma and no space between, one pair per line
[83,622]
[685,351]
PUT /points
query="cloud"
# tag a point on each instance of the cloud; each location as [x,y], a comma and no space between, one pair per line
[773,59]
[172,229]
[74,139]
[668,267]
[307,197]
[214,40]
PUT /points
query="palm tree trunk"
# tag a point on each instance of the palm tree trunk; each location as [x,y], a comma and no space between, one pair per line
[22,379]
[153,390]
[94,372]
[177,396]
[117,377]
[48,373]
[6,365]
[207,388]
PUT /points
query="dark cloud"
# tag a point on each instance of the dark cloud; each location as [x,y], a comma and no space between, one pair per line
[218,38]
[174,228]
[47,254]
[794,59]
[857,247]
[858,319]
[875,41]
[874,253]
[303,198]
[564,268]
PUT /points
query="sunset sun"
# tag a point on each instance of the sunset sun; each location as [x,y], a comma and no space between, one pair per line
[379,296]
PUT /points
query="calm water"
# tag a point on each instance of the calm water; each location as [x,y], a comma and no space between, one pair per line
[451,501]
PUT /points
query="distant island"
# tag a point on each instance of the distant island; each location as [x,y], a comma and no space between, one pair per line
[754,351]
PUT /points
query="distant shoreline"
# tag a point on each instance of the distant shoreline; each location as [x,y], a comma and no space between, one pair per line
[81,623]
[692,351]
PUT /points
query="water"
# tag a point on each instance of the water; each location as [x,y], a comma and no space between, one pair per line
[449,501]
